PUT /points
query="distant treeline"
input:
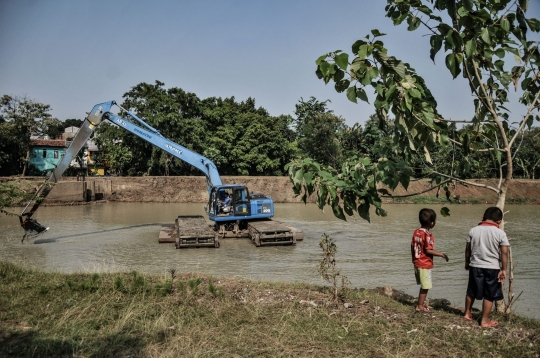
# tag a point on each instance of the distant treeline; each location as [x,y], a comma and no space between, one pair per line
[238,137]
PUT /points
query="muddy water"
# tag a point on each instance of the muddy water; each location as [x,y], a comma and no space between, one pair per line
[123,236]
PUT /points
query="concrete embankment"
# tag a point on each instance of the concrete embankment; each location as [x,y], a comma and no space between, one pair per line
[192,189]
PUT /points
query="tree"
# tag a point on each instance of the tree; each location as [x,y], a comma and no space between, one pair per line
[20,118]
[485,42]
[318,129]
[13,193]
[238,137]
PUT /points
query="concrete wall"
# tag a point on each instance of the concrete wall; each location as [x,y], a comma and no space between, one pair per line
[67,192]
[188,189]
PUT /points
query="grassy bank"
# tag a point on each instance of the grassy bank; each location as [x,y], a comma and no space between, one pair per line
[127,314]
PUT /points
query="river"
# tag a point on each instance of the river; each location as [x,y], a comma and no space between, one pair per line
[123,236]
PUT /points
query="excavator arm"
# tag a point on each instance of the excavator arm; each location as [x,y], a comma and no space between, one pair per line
[99,113]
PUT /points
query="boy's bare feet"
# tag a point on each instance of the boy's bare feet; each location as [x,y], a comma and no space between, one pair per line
[422,309]
[490,324]
[468,318]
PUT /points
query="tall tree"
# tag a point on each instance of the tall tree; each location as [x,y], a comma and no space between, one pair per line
[318,131]
[484,41]
[240,138]
[20,118]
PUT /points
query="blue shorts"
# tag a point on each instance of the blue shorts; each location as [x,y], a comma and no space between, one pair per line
[484,284]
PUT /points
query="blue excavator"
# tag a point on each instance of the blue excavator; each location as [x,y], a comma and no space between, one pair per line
[231,207]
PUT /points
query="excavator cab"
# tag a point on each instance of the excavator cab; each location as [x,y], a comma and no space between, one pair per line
[242,205]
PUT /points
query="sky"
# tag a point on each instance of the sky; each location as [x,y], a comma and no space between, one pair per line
[74,54]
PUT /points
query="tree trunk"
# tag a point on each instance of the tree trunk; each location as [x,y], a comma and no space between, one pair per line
[500,305]
[26,162]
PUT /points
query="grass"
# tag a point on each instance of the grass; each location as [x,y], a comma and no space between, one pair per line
[131,315]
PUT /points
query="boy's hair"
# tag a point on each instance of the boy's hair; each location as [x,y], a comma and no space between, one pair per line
[427,216]
[493,213]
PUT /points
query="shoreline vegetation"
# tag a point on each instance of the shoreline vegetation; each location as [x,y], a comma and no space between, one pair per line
[127,314]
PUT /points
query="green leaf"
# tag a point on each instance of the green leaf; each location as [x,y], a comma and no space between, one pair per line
[351,94]
[463,12]
[524,4]
[356,46]
[445,211]
[468,4]
[324,67]
[363,211]
[376,33]
[363,51]
[342,85]
[342,60]
[404,179]
[332,191]
[453,62]
[320,59]
[530,121]
[338,211]
[308,178]
[399,67]
[505,24]
[470,48]
[427,155]
[413,22]
[436,43]
[381,212]
[484,34]
[499,52]
[534,24]
[339,75]
[360,93]
[298,176]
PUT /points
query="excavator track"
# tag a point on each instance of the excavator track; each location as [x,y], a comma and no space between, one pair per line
[269,232]
[194,231]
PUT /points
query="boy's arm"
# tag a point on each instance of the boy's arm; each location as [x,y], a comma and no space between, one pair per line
[436,253]
[467,255]
[412,253]
[504,261]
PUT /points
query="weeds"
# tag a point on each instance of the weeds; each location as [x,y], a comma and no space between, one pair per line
[41,316]
[327,266]
[193,285]
[214,290]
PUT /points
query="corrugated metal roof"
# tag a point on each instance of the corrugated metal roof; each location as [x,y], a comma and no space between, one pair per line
[48,142]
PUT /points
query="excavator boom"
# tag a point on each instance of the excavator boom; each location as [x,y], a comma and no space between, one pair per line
[102,112]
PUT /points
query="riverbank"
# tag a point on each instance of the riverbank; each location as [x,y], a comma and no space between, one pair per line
[128,314]
[192,189]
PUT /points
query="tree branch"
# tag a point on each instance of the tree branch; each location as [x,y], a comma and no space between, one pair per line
[497,190]
[417,193]
[531,107]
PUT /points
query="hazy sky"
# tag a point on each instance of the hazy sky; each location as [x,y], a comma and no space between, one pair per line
[74,54]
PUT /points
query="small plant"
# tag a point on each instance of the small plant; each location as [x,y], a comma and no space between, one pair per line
[327,266]
[173,274]
[138,283]
[119,284]
[89,285]
[193,285]
[43,290]
[163,290]
[214,290]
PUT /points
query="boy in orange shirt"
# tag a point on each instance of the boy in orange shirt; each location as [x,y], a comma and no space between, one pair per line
[422,252]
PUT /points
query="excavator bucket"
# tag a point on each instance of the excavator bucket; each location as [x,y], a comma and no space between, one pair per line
[31,228]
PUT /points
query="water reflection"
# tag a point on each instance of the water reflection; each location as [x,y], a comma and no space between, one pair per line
[123,236]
